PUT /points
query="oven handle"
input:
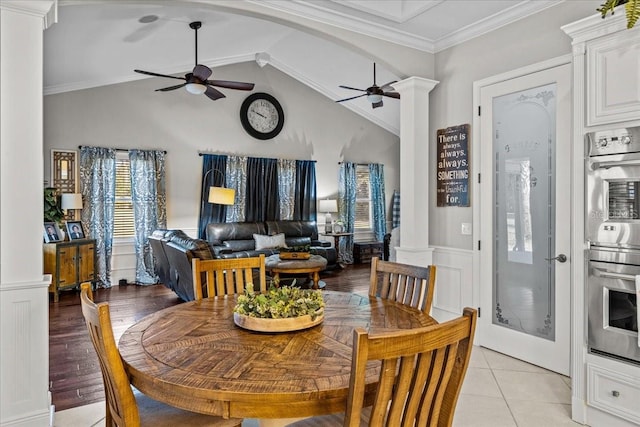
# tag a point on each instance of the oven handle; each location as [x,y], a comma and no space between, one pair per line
[611,275]
[612,163]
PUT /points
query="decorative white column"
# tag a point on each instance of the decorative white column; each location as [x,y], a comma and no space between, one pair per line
[24,299]
[414,171]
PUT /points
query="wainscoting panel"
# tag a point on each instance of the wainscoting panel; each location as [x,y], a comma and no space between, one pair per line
[24,366]
[454,282]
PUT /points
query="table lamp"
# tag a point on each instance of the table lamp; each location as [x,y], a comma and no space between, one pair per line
[328,206]
[71,201]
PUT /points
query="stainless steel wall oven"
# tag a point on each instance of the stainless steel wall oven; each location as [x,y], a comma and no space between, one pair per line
[613,232]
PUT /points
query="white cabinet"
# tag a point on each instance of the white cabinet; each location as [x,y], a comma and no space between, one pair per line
[613,78]
[614,392]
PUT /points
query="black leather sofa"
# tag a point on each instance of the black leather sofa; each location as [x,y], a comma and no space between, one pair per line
[235,239]
[173,250]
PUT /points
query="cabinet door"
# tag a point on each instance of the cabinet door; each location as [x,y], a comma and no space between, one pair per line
[613,78]
[67,272]
[86,262]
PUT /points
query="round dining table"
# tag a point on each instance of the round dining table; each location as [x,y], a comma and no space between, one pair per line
[193,356]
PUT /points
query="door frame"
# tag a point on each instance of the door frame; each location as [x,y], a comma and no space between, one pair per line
[476,165]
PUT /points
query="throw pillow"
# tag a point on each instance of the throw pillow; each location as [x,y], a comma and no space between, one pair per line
[269,242]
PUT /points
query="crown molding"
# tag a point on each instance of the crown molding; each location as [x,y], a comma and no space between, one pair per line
[491,23]
[400,16]
[317,13]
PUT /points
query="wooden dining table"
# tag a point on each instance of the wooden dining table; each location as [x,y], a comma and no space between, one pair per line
[194,357]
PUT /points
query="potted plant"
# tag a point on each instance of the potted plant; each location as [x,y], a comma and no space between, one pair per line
[52,209]
[282,309]
[631,7]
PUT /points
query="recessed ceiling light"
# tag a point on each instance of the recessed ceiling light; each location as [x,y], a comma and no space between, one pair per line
[148,19]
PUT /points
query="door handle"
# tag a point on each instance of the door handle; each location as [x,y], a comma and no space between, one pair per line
[612,275]
[559,258]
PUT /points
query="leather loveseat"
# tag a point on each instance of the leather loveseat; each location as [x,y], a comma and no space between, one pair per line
[236,239]
[173,251]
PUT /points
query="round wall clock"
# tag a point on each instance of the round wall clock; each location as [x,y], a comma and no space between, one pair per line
[261,116]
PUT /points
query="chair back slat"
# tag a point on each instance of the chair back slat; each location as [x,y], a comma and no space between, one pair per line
[219,277]
[121,406]
[407,284]
[421,373]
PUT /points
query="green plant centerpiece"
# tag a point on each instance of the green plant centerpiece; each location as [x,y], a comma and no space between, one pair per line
[282,309]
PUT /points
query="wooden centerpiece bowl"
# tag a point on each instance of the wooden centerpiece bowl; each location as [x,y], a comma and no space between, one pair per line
[286,324]
[282,309]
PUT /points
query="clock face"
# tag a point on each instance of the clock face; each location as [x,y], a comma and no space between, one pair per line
[262,116]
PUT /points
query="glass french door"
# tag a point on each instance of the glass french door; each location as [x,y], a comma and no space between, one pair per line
[524,218]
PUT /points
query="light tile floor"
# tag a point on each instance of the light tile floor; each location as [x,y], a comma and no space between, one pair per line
[498,391]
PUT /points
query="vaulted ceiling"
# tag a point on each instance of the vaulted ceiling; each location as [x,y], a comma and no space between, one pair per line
[322,43]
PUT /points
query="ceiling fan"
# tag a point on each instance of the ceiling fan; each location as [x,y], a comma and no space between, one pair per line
[373,93]
[196,82]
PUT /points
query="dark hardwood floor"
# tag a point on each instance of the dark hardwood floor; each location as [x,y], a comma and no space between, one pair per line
[74,373]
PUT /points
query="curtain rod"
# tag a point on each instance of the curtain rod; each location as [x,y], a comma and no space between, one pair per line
[201,153]
[360,164]
[117,149]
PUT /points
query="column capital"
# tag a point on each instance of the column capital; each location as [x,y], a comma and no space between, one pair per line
[414,83]
[45,9]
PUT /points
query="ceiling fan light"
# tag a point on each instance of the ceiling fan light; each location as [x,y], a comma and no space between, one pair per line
[196,88]
[373,98]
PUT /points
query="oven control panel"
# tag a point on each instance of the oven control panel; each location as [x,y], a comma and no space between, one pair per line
[614,141]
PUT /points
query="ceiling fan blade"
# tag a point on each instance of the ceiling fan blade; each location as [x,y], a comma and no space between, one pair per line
[377,104]
[353,97]
[395,95]
[149,73]
[388,84]
[213,93]
[167,89]
[230,84]
[202,72]
[352,88]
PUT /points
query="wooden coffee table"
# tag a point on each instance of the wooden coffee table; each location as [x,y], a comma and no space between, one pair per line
[312,266]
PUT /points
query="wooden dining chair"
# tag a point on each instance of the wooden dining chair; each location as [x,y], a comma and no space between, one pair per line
[420,377]
[227,276]
[124,407]
[407,284]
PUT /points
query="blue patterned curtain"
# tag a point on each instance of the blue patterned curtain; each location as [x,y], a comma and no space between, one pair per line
[98,188]
[149,200]
[305,206]
[287,187]
[237,179]
[213,175]
[347,208]
[376,183]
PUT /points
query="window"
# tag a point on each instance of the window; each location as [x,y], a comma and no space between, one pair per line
[363,200]
[123,213]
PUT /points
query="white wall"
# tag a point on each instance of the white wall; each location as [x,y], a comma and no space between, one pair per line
[525,42]
[132,115]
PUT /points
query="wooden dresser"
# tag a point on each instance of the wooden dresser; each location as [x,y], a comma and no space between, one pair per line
[70,263]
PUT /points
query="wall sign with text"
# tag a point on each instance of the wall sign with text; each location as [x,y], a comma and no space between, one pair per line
[452,186]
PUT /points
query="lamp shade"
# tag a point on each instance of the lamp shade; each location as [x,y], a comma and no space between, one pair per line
[328,205]
[222,196]
[71,201]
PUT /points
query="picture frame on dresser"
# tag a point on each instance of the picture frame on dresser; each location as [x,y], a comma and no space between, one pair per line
[75,230]
[51,232]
